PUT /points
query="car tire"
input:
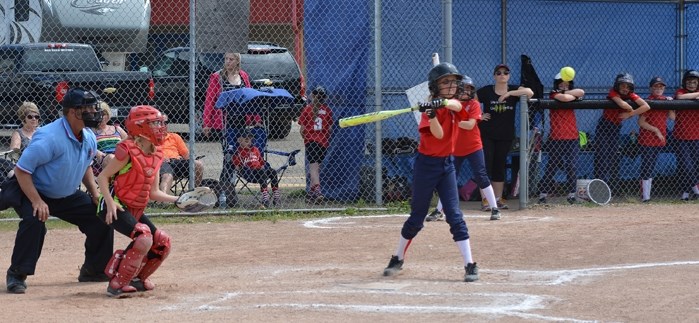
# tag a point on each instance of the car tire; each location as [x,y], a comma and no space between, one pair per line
[279,128]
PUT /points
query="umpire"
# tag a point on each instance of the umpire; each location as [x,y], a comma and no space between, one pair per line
[49,173]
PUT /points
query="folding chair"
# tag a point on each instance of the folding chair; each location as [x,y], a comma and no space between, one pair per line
[244,181]
[180,184]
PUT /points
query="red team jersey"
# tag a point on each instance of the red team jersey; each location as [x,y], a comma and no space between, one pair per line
[316,129]
[469,141]
[612,115]
[563,122]
[248,157]
[686,122]
[429,144]
[658,119]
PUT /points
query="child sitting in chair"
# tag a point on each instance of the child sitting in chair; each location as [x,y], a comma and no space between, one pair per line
[250,164]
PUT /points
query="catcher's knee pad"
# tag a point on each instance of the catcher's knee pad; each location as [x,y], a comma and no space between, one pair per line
[125,265]
[158,252]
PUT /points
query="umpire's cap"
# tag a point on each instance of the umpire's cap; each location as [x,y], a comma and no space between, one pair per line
[78,97]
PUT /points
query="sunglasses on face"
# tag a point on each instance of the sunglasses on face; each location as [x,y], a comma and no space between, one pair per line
[502,73]
[33,116]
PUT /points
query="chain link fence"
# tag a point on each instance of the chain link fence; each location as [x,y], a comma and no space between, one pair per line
[367,56]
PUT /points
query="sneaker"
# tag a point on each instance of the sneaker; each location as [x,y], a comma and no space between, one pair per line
[501,204]
[125,291]
[571,200]
[646,201]
[16,282]
[484,206]
[394,266]
[495,214]
[142,285]
[90,276]
[434,216]
[471,272]
[542,200]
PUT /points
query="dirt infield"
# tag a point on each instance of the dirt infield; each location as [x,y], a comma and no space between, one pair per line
[616,263]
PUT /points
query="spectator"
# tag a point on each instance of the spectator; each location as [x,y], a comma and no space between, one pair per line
[687,135]
[49,173]
[563,144]
[176,161]
[107,137]
[609,126]
[250,164]
[652,135]
[498,127]
[133,187]
[316,122]
[29,114]
[434,169]
[230,77]
[469,147]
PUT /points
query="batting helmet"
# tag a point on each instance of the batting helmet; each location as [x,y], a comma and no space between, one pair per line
[319,94]
[557,80]
[466,81]
[439,71]
[688,75]
[146,121]
[623,78]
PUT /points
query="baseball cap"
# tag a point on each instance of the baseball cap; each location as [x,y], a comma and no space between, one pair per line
[656,80]
[245,133]
[501,66]
[78,97]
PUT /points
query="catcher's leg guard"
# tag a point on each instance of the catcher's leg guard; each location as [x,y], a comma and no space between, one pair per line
[159,251]
[129,262]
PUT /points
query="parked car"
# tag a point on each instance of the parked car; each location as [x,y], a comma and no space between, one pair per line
[264,62]
[43,72]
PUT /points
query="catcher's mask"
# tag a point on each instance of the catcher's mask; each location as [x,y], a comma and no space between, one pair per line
[146,121]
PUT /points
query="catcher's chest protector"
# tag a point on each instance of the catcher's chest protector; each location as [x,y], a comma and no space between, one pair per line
[133,183]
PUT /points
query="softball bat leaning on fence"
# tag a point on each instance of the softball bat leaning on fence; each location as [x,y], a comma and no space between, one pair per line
[377,116]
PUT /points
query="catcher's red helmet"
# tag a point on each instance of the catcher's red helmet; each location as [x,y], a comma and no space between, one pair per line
[148,122]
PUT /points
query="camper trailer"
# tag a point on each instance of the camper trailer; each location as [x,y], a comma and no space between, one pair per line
[113,27]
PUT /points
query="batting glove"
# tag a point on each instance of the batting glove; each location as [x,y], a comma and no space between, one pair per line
[434,104]
[431,113]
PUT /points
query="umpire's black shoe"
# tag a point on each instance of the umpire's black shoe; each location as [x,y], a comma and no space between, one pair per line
[16,282]
[88,275]
[394,266]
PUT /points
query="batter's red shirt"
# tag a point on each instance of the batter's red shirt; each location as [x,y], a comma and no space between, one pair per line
[686,122]
[429,144]
[658,119]
[563,122]
[612,114]
[319,128]
[469,141]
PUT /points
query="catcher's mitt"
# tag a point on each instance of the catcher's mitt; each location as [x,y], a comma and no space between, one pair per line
[197,200]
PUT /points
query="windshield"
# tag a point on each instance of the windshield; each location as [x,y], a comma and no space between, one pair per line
[61,60]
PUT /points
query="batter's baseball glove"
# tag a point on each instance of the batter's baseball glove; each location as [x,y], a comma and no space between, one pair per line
[196,200]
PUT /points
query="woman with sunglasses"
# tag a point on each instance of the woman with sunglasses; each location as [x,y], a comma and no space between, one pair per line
[497,127]
[28,113]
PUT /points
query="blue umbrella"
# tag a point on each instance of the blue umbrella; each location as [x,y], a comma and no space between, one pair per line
[252,101]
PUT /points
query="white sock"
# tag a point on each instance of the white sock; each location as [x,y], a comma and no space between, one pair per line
[465,248]
[685,195]
[543,195]
[490,196]
[440,207]
[403,245]
[695,189]
[645,188]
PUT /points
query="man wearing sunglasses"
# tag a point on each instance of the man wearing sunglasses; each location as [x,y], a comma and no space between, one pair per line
[49,173]
[497,127]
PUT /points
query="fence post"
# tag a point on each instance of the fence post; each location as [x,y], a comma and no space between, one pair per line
[523,152]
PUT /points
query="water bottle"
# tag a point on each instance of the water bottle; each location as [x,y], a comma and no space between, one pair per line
[222,201]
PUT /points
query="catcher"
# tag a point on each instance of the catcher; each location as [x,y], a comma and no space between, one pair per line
[126,185]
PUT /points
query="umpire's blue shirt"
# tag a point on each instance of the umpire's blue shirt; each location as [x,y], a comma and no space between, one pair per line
[57,160]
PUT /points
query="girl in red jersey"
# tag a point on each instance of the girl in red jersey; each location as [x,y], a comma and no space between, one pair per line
[316,122]
[434,168]
[609,127]
[563,144]
[687,134]
[652,135]
[126,185]
[470,147]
